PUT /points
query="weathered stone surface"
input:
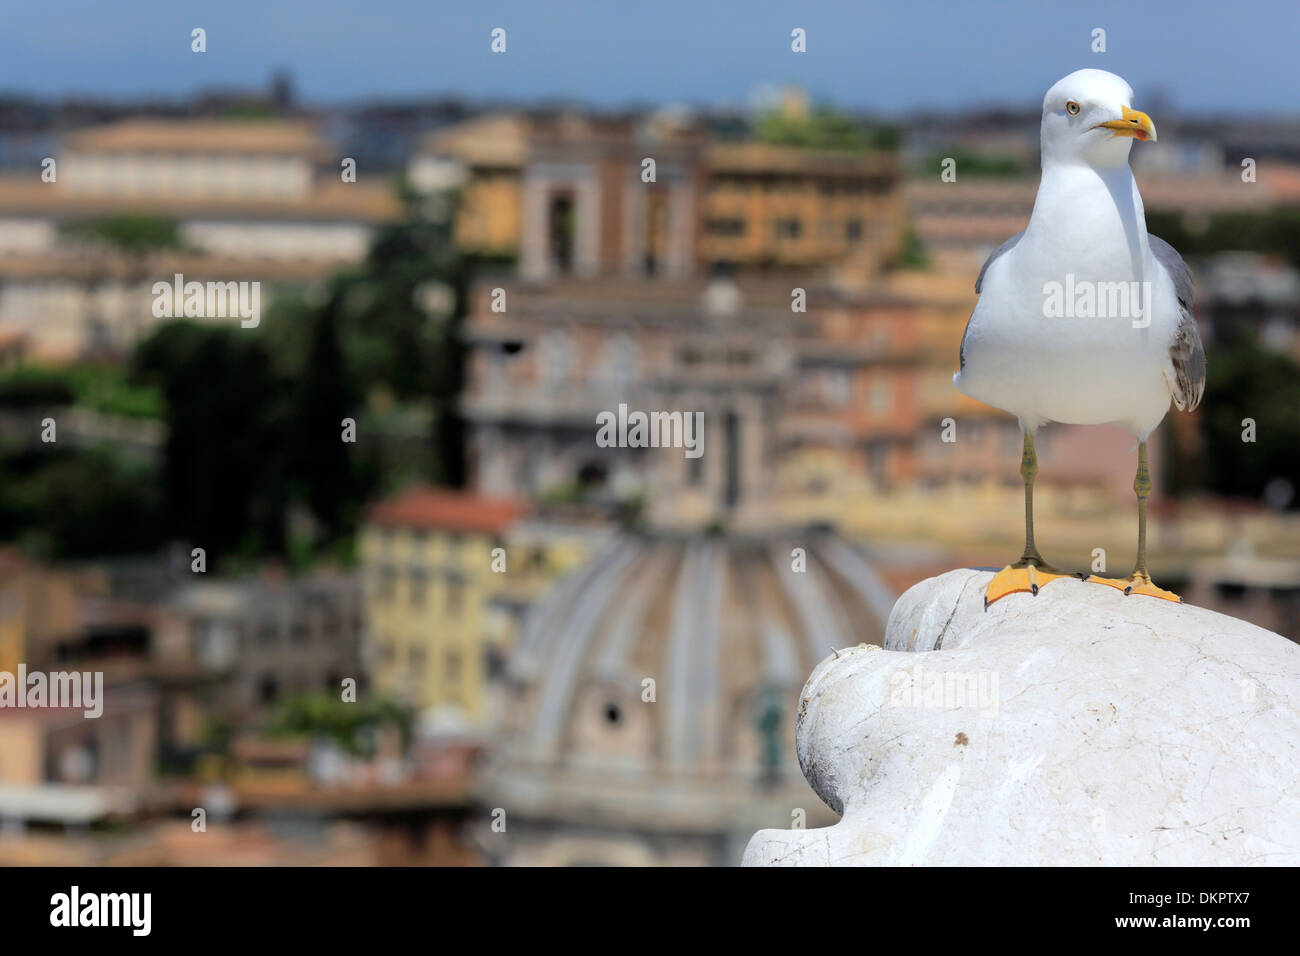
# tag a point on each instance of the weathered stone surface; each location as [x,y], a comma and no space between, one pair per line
[1076,727]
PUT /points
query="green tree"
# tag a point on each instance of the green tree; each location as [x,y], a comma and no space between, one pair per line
[975,165]
[225,469]
[325,394]
[68,503]
[825,128]
[1246,381]
[400,317]
[348,724]
[1275,231]
[134,235]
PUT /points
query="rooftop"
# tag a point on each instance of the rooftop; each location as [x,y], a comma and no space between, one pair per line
[421,507]
[326,201]
[273,137]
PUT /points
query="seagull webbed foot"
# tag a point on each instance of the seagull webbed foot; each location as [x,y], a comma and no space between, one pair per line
[1027,574]
[1139,582]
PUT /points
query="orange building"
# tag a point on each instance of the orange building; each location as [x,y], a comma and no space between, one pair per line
[655,195]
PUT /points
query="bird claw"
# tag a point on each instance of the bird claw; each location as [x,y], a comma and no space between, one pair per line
[1013,579]
[1137,583]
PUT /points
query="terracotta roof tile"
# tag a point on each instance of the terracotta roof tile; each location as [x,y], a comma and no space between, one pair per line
[426,508]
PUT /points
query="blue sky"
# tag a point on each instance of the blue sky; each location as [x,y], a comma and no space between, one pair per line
[889,57]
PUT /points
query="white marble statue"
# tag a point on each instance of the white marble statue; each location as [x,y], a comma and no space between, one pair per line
[1073,728]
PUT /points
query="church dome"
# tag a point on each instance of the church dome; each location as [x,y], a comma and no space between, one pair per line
[655,688]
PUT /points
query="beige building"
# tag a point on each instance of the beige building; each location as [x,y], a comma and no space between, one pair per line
[250,201]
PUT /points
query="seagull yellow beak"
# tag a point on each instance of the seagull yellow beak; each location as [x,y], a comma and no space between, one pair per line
[1135,123]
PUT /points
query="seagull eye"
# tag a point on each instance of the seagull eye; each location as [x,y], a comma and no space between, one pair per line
[1072,107]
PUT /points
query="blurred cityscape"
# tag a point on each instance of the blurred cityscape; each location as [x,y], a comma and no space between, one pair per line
[363,585]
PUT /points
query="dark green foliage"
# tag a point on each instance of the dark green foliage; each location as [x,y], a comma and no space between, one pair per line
[912,254]
[325,394]
[350,725]
[35,389]
[826,128]
[1247,381]
[391,336]
[69,503]
[973,165]
[1275,231]
[132,234]
[102,387]
[225,469]
[255,420]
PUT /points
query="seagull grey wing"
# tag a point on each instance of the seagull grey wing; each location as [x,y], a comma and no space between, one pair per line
[979,286]
[979,280]
[1187,353]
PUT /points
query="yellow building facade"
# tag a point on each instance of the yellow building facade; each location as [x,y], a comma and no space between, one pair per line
[448,577]
[427,558]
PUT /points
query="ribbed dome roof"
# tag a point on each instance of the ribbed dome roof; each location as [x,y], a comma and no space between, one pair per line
[727,627]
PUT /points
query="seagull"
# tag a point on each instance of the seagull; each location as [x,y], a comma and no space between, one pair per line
[1084,318]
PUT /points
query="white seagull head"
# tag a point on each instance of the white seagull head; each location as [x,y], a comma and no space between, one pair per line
[1088,117]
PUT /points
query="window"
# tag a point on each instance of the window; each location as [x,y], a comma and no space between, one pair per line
[451,666]
[853,230]
[266,630]
[787,228]
[268,689]
[726,226]
[561,226]
[419,587]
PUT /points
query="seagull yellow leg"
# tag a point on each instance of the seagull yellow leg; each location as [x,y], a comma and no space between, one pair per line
[1139,582]
[1031,572]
